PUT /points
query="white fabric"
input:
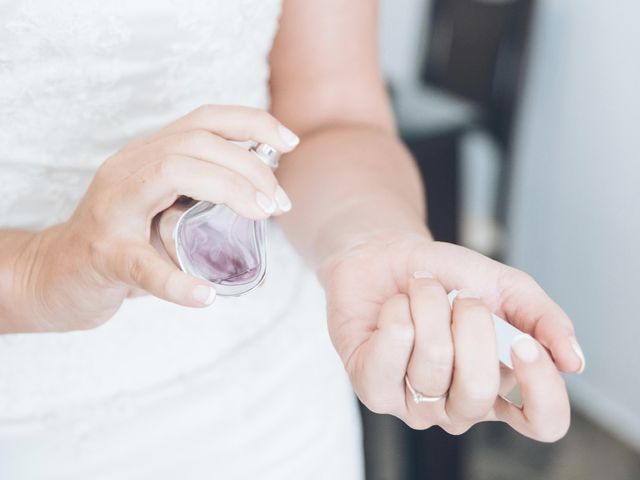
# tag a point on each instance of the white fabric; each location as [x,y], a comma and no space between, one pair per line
[248,388]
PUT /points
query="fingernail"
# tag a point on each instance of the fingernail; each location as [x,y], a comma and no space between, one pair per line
[203,294]
[288,136]
[265,203]
[467,293]
[422,274]
[580,353]
[525,348]
[282,199]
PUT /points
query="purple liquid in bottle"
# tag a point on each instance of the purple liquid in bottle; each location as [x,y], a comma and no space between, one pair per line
[221,246]
[213,242]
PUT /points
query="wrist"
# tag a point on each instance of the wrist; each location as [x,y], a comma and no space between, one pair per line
[30,280]
[19,250]
[339,240]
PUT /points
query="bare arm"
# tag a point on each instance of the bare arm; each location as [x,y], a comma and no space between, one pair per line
[358,217]
[351,175]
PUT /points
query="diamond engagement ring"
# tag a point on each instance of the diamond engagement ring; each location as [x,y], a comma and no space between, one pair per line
[419,397]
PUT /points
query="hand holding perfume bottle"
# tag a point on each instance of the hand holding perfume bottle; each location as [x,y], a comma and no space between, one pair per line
[213,242]
[106,250]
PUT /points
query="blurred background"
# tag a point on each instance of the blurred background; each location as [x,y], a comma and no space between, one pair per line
[523,116]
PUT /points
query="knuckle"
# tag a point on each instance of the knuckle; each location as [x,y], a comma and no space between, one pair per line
[457,428]
[470,413]
[375,402]
[236,189]
[167,168]
[525,277]
[472,404]
[475,309]
[401,333]
[253,171]
[479,389]
[271,121]
[99,249]
[235,183]
[205,109]
[199,138]
[161,169]
[258,114]
[418,422]
[554,436]
[513,276]
[374,398]
[265,177]
[97,212]
[481,394]
[553,432]
[258,120]
[376,406]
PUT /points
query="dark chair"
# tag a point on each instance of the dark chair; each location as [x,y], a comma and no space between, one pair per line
[477,52]
[470,78]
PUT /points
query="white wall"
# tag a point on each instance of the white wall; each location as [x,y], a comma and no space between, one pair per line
[576,207]
[576,215]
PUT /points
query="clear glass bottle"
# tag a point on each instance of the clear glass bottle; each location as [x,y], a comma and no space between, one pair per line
[213,242]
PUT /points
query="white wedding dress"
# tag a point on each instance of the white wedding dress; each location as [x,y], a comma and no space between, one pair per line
[248,388]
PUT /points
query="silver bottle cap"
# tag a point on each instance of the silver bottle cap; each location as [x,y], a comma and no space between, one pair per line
[267,154]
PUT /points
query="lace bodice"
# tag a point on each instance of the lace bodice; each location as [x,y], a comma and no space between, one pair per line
[78,79]
[247,388]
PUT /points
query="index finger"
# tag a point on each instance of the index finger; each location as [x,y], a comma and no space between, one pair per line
[232,123]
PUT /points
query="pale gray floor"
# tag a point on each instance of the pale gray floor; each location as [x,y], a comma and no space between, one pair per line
[586,453]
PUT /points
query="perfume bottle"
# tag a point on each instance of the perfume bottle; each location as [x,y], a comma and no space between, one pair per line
[212,242]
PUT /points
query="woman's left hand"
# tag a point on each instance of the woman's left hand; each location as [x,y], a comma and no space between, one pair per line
[387,322]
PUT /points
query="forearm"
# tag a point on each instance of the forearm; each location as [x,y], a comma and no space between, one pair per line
[348,182]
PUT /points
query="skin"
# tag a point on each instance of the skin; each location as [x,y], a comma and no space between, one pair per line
[358,219]
[77,274]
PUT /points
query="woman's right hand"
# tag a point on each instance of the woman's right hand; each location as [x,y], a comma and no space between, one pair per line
[75,275]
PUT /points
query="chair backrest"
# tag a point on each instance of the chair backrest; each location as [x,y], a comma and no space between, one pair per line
[477,49]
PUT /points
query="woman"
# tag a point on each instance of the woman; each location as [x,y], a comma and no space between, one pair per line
[105,371]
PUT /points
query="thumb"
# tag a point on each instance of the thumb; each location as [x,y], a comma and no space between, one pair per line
[509,293]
